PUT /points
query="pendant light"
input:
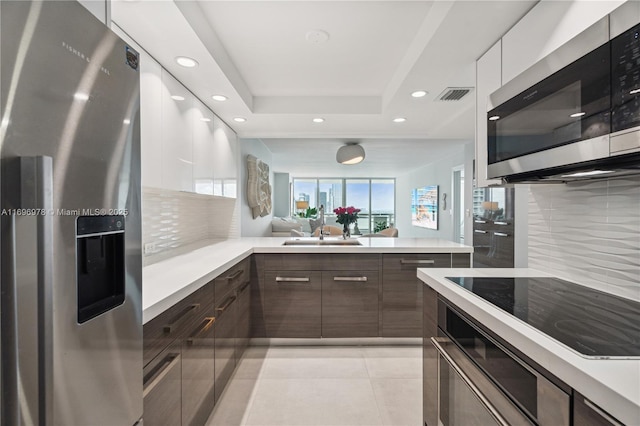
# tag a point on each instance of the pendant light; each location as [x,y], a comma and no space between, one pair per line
[351,153]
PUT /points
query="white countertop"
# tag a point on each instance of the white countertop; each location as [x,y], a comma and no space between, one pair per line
[167,282]
[612,384]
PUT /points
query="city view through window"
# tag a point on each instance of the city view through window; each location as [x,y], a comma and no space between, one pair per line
[374,197]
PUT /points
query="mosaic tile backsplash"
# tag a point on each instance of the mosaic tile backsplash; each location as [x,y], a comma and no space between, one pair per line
[588,232]
[175,221]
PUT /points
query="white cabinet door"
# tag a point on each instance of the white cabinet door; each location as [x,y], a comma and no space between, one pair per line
[151,121]
[487,81]
[203,148]
[177,135]
[549,25]
[225,170]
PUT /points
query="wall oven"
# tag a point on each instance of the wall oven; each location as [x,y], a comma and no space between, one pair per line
[481,382]
[578,109]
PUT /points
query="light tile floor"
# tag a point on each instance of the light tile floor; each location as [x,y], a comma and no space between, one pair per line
[324,385]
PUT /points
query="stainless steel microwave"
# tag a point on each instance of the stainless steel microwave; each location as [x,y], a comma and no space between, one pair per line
[581,117]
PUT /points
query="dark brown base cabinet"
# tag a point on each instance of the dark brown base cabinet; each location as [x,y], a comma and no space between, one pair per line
[350,303]
[190,349]
[402,290]
[342,295]
[292,303]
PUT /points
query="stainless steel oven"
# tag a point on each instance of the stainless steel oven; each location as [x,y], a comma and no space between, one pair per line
[481,382]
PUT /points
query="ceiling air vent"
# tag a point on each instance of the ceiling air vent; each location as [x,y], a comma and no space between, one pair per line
[454,93]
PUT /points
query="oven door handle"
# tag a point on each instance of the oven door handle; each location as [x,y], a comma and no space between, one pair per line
[439,343]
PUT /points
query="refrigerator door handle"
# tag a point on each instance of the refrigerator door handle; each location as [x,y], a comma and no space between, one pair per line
[30,223]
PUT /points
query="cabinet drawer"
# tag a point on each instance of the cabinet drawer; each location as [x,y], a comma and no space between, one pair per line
[350,303]
[162,388]
[174,322]
[411,261]
[292,303]
[231,279]
[319,262]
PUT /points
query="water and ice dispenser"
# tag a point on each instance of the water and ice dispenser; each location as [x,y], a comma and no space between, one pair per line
[100,264]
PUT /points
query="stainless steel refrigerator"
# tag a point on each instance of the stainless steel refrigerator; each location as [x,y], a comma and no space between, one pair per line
[70,265]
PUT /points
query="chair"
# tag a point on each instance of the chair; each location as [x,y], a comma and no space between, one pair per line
[389,232]
[328,230]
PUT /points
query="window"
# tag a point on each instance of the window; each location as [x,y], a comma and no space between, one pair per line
[374,197]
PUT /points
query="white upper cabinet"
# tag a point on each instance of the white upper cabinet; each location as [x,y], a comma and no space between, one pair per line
[150,121]
[225,170]
[177,135]
[549,25]
[203,148]
[487,81]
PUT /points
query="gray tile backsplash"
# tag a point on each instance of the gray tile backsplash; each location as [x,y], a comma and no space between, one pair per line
[177,221]
[588,232]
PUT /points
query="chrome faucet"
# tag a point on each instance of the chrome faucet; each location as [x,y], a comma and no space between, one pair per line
[321,221]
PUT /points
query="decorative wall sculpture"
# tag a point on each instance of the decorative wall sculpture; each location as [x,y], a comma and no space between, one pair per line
[258,187]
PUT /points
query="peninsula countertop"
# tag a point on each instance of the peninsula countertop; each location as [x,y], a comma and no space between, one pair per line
[612,384]
[169,281]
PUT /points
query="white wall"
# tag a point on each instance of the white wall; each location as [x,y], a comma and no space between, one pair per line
[437,172]
[260,226]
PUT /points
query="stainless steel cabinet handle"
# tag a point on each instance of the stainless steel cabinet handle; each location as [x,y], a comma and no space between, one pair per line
[500,234]
[480,221]
[478,231]
[244,287]
[226,304]
[435,341]
[417,261]
[204,326]
[169,362]
[357,279]
[292,279]
[235,275]
[500,223]
[598,410]
[180,318]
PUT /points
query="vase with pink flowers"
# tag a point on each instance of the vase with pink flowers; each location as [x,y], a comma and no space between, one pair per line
[346,216]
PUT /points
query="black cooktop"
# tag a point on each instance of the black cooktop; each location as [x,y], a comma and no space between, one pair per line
[591,322]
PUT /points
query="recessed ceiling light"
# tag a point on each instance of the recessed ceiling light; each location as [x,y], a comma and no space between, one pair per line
[419,93]
[205,119]
[577,114]
[239,119]
[399,120]
[318,120]
[126,121]
[186,62]
[177,97]
[494,118]
[219,98]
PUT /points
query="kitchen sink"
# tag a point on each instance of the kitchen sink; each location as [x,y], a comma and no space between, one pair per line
[325,242]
